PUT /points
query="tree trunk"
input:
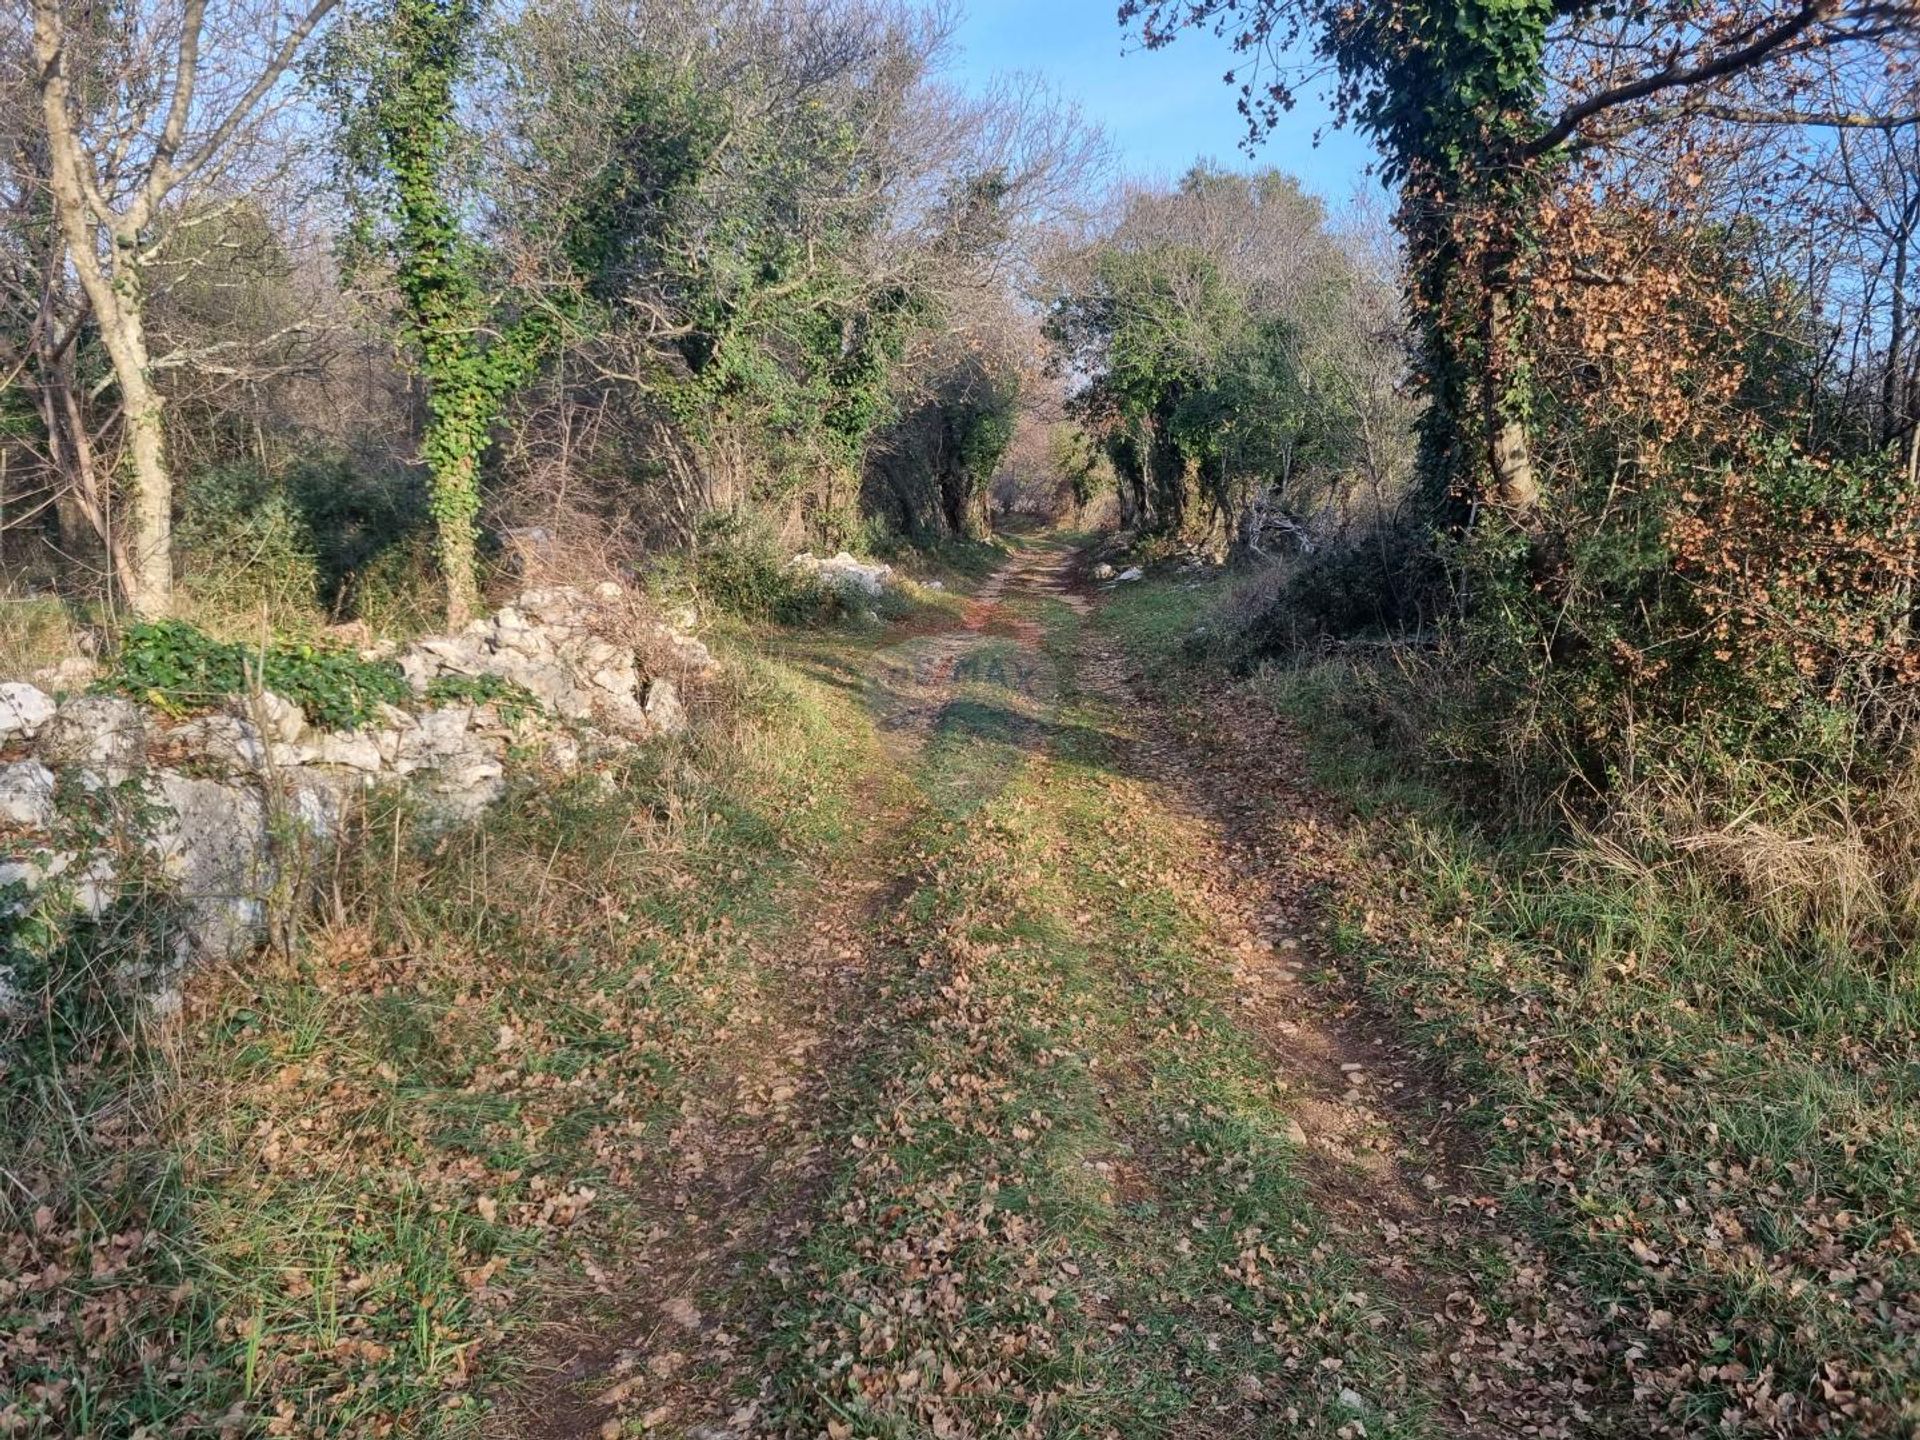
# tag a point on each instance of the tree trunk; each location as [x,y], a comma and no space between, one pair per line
[1892,417]
[51,383]
[1510,453]
[141,547]
[455,503]
[147,578]
[83,508]
[1513,466]
[150,509]
[1248,521]
[1168,478]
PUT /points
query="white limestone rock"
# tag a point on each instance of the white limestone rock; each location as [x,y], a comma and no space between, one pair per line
[513,631]
[23,876]
[690,654]
[280,720]
[67,676]
[96,887]
[611,668]
[548,681]
[288,757]
[24,709]
[224,744]
[101,732]
[459,793]
[440,736]
[349,749]
[212,843]
[664,708]
[254,791]
[846,574]
[561,753]
[318,801]
[626,718]
[463,653]
[420,670]
[553,605]
[26,795]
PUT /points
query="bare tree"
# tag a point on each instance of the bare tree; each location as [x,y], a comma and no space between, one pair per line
[145,112]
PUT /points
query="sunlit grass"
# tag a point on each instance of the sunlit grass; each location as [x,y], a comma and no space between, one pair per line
[332,1194]
[1075,1064]
[1711,1121]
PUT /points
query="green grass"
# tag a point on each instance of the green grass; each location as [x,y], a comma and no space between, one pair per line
[1073,1139]
[36,631]
[1740,1116]
[1221,1129]
[333,1198]
[1063,1189]
[1164,625]
[1711,1124]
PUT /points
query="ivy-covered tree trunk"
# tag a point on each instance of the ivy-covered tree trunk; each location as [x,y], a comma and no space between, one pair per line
[1475,445]
[456,506]
[1462,105]
[1503,385]
[463,404]
[399,137]
[1167,475]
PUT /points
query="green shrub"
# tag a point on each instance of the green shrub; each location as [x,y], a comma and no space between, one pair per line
[1379,584]
[398,592]
[1712,623]
[172,665]
[369,527]
[842,526]
[739,567]
[245,552]
[948,559]
[328,538]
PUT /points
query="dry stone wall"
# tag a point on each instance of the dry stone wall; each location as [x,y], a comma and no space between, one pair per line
[225,811]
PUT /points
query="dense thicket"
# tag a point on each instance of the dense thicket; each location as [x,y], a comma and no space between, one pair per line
[1240,363]
[1660,282]
[393,269]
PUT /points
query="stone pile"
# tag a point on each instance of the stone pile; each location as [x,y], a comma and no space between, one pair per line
[225,808]
[843,573]
[553,643]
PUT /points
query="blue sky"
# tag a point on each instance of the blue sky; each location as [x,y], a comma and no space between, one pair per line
[1164,110]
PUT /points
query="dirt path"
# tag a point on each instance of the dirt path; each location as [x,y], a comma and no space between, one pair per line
[665,1339]
[1386,1161]
[660,1342]
[1034,1124]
